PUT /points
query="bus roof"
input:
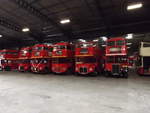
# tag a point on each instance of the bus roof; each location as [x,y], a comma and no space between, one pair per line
[116,38]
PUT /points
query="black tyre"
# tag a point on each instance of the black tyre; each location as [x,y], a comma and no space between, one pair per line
[125,75]
[107,74]
[7,68]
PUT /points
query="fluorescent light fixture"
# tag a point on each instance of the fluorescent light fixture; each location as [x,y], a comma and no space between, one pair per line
[25,29]
[129,43]
[25,52]
[129,36]
[96,40]
[104,38]
[65,21]
[82,40]
[103,45]
[84,45]
[134,6]
[128,47]
[1,36]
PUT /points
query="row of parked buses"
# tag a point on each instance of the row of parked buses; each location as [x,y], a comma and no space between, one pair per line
[82,58]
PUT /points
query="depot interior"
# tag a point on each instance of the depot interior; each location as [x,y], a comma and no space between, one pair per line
[26,23]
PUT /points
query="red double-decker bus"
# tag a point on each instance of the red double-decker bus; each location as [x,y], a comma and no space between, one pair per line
[24,59]
[89,58]
[63,58]
[116,62]
[9,59]
[41,58]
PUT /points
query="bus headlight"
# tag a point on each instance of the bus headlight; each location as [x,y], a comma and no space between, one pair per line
[53,68]
[125,66]
[41,68]
[32,68]
[45,61]
[76,68]
[91,69]
[63,69]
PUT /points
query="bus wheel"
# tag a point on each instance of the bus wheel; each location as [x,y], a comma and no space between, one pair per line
[107,74]
[77,74]
[7,69]
[125,75]
[140,74]
[46,70]
[96,73]
[70,71]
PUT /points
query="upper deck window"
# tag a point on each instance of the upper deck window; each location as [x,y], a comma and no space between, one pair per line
[12,53]
[39,61]
[60,47]
[41,48]
[51,49]
[120,42]
[85,45]
[146,45]
[38,48]
[111,43]
[24,52]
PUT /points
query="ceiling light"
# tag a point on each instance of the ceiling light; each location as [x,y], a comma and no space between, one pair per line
[25,52]
[129,36]
[128,47]
[82,40]
[84,45]
[134,6]
[104,38]
[96,40]
[65,21]
[129,43]
[1,36]
[103,45]
[25,29]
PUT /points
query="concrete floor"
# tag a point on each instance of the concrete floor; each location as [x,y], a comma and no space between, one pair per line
[33,93]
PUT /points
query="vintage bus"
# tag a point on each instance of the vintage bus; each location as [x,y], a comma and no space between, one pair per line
[63,58]
[116,60]
[88,58]
[41,58]
[9,59]
[24,59]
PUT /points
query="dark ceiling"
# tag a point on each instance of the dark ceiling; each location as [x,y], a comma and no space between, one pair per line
[89,19]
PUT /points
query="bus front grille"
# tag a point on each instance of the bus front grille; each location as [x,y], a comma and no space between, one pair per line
[83,70]
[115,69]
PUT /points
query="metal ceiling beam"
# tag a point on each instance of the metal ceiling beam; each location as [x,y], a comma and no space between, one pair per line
[31,9]
[34,1]
[13,26]
[9,24]
[117,30]
[11,41]
[102,15]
